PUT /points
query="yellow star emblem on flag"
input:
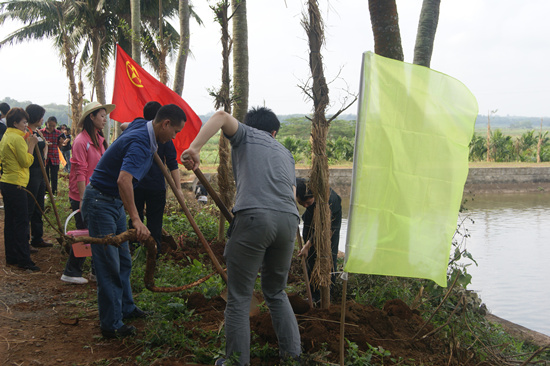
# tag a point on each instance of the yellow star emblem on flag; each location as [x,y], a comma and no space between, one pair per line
[133,75]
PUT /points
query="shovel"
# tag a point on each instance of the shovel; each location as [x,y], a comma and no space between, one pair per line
[254,304]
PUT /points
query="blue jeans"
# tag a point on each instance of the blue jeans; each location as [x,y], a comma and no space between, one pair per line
[260,240]
[67,156]
[105,215]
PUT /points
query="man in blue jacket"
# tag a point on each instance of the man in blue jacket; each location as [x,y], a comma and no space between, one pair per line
[150,193]
[110,192]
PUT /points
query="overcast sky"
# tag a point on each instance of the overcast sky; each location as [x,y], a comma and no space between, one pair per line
[498,48]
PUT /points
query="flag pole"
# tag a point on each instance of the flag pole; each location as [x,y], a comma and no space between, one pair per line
[343,317]
[109,124]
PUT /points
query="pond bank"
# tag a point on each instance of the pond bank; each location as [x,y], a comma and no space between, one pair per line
[520,332]
[501,179]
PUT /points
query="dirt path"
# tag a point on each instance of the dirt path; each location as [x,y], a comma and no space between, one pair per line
[44,321]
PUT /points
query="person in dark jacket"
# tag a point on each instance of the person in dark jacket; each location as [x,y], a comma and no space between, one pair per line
[305,198]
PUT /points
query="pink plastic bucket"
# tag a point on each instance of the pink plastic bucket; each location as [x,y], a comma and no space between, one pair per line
[79,249]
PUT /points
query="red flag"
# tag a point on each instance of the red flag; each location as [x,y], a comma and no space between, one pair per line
[134,87]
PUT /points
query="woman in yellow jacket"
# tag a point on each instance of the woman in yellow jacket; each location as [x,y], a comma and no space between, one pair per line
[16,158]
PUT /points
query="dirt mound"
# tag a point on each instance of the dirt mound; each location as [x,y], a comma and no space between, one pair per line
[400,332]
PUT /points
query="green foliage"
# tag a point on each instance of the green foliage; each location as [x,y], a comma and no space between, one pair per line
[478,148]
[340,149]
[501,147]
[300,148]
[207,223]
[506,148]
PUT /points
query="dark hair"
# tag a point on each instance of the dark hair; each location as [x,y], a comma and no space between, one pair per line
[36,113]
[16,115]
[263,119]
[302,191]
[150,110]
[4,108]
[52,118]
[172,112]
[88,126]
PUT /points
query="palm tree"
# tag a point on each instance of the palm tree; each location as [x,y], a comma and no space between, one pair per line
[136,30]
[48,19]
[185,13]
[159,37]
[240,59]
[425,35]
[181,62]
[385,27]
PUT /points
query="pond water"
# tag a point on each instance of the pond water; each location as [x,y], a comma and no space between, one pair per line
[510,241]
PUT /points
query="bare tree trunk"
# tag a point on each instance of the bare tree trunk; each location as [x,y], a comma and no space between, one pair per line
[136,30]
[163,49]
[425,36]
[385,27]
[76,94]
[319,171]
[240,59]
[223,99]
[181,62]
[98,76]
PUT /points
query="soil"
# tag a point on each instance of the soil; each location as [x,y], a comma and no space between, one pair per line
[42,322]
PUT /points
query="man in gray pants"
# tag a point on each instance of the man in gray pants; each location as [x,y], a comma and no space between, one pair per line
[263,230]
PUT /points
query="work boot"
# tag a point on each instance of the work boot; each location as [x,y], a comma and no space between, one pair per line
[124,331]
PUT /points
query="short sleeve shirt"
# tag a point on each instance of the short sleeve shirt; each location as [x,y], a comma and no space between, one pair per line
[132,152]
[264,171]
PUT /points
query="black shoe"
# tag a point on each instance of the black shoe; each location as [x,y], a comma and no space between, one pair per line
[137,313]
[32,267]
[42,244]
[124,331]
[32,250]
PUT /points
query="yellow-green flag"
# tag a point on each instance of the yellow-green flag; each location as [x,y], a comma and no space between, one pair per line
[411,162]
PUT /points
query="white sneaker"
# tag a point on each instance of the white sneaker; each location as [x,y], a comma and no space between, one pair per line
[75,280]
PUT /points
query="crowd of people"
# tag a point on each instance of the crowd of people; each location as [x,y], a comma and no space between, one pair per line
[107,183]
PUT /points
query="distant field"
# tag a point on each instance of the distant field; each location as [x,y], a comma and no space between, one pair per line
[514,132]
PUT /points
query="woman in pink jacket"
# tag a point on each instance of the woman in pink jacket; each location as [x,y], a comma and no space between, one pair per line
[88,147]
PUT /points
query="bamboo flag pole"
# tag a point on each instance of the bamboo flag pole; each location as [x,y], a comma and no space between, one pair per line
[343,318]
